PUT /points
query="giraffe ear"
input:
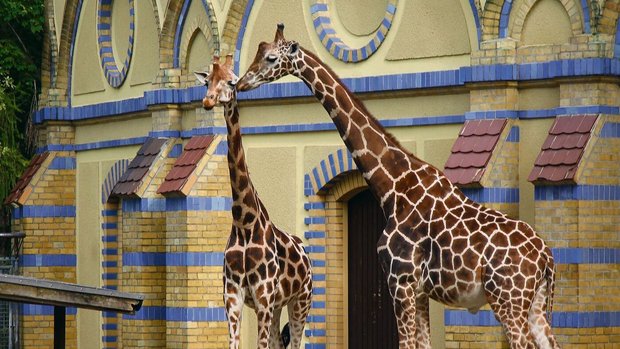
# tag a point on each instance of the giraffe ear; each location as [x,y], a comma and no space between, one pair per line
[233,80]
[202,77]
[293,48]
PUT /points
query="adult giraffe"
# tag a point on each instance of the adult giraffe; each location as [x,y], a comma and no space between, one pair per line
[437,243]
[264,267]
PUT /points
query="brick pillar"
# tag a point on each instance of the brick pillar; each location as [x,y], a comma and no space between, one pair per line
[144,270]
[580,222]
[45,212]
[197,229]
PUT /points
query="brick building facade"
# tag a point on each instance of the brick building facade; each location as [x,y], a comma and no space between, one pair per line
[518,101]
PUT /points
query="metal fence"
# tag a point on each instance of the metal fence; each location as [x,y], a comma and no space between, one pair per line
[10,245]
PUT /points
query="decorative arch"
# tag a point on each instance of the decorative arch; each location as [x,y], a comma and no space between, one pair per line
[181,43]
[335,46]
[61,79]
[49,53]
[517,27]
[329,170]
[197,27]
[230,35]
[110,238]
[608,24]
[114,174]
[327,188]
[490,23]
[114,73]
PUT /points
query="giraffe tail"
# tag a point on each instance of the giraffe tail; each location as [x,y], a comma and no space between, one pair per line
[550,279]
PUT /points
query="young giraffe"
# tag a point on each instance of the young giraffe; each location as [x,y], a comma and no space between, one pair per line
[437,243]
[265,268]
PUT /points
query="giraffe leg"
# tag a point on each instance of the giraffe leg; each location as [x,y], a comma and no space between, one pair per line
[513,315]
[405,312]
[233,299]
[422,321]
[298,312]
[264,316]
[539,325]
[275,341]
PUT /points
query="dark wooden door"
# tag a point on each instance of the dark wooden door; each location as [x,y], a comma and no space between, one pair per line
[371,317]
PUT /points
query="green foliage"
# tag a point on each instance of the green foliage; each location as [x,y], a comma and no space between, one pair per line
[12,161]
[21,38]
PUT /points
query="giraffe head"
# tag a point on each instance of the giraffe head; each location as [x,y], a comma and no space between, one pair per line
[273,61]
[220,82]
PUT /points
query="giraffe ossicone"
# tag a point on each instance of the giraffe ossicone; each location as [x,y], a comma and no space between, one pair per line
[437,243]
[264,267]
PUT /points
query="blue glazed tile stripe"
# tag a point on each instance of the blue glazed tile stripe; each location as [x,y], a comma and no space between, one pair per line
[586,255]
[43,310]
[406,81]
[48,260]
[559,319]
[492,195]
[577,192]
[191,203]
[42,211]
[198,314]
[610,130]
[62,163]
[180,259]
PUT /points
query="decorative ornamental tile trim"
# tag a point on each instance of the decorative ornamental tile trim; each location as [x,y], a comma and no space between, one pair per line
[114,74]
[334,44]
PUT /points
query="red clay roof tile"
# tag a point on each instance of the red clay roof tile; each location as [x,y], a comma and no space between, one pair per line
[562,150]
[25,178]
[185,165]
[472,150]
[138,167]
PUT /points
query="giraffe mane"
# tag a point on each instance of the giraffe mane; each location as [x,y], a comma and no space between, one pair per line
[356,101]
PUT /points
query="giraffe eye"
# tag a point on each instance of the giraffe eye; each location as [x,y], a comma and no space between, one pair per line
[272,58]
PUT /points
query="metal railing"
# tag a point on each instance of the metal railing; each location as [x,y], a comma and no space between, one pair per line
[10,246]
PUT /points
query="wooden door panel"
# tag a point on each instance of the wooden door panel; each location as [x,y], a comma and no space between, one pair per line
[371,317]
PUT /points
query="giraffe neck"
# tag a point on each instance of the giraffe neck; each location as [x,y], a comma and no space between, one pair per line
[378,156]
[245,199]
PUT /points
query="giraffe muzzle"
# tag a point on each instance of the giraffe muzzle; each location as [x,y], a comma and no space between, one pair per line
[208,103]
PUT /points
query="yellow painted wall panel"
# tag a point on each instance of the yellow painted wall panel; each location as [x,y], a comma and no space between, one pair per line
[146,46]
[88,208]
[430,29]
[273,172]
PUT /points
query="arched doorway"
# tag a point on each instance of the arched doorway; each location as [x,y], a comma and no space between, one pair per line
[371,321]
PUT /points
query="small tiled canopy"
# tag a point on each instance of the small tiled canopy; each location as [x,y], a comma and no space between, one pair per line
[24,180]
[559,157]
[131,180]
[472,150]
[193,152]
